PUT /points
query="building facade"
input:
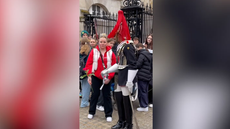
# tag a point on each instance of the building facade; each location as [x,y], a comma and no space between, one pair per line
[102,7]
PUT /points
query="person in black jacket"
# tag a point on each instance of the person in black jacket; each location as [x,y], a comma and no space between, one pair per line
[144,75]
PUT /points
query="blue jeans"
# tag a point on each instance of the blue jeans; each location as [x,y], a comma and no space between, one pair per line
[85,92]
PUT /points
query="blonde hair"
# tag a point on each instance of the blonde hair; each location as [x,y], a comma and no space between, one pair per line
[85,47]
[103,35]
[84,41]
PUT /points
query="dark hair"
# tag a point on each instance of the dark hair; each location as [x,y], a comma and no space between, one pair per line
[93,38]
[110,40]
[135,38]
[150,45]
[140,45]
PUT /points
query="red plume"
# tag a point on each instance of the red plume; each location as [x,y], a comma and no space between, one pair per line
[122,27]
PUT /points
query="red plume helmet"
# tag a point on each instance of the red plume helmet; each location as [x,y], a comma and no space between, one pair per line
[121,27]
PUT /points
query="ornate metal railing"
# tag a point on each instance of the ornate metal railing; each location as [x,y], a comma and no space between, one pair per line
[138,16]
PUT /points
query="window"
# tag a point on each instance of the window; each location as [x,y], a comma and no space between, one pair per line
[104,13]
[93,10]
[97,10]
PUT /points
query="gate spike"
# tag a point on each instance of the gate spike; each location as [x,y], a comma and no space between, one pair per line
[142,4]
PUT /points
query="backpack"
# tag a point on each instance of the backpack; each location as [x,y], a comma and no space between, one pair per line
[82,64]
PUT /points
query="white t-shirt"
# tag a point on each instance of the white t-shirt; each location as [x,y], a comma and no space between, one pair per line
[151,51]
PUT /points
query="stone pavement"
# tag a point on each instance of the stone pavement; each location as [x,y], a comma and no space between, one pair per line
[144,119]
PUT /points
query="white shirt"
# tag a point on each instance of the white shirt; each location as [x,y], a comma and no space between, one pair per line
[151,51]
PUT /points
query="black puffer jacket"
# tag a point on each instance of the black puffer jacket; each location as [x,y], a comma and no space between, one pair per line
[144,65]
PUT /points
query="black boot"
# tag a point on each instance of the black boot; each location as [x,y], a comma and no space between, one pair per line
[121,111]
[119,125]
[128,126]
[128,112]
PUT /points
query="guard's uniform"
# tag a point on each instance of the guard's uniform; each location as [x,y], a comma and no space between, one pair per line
[126,60]
[126,63]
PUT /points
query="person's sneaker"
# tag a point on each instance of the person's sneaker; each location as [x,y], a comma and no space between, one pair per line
[80,96]
[109,119]
[100,108]
[90,116]
[142,109]
[151,105]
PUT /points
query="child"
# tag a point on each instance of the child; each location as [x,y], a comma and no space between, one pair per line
[144,75]
[135,40]
[93,43]
[84,34]
[85,48]
[84,52]
[111,42]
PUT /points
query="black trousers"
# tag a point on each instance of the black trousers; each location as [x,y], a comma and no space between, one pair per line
[79,85]
[96,84]
[100,101]
[143,93]
[150,94]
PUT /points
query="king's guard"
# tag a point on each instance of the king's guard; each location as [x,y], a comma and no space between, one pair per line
[125,66]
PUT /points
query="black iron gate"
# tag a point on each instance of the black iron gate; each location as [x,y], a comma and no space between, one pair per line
[103,24]
[147,22]
[139,19]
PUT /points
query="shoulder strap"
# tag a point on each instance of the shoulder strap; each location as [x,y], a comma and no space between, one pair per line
[102,59]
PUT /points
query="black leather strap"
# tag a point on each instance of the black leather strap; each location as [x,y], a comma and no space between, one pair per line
[102,60]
